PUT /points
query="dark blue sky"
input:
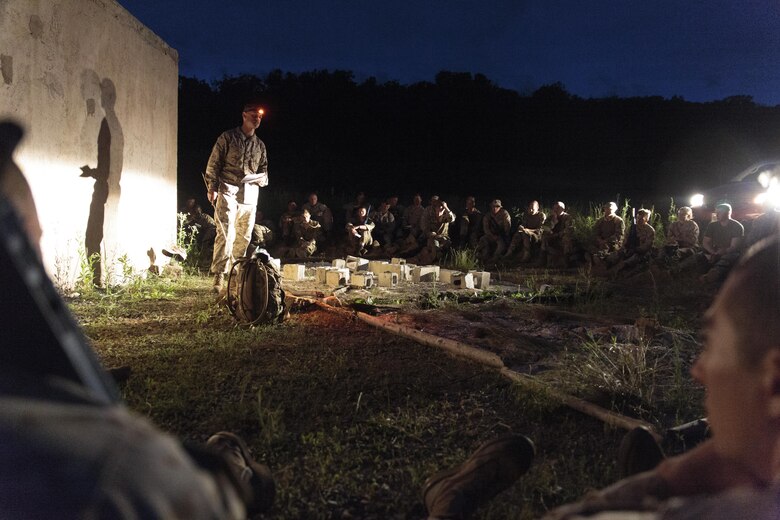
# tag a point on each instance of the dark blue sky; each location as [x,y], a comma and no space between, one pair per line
[699,49]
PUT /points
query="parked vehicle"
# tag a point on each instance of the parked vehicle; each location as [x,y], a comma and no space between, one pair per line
[752,192]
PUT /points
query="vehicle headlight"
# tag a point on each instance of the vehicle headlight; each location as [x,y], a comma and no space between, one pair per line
[697,200]
[771,197]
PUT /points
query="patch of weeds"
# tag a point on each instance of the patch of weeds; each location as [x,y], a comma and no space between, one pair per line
[270,419]
[463,260]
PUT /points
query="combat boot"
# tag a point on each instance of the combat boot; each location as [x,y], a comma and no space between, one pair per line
[219,281]
[249,472]
[494,467]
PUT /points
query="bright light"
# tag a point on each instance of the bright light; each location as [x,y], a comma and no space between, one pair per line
[764,179]
[771,197]
[261,112]
[697,200]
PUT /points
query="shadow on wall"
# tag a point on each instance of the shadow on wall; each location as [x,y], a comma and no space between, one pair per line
[102,223]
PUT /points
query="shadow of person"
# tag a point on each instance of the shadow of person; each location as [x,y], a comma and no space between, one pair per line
[104,206]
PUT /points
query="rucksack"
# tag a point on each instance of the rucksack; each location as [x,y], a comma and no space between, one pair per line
[254,290]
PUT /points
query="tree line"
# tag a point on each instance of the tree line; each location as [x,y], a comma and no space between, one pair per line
[461,133]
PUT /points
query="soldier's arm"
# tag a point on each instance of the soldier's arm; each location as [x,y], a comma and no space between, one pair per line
[216,162]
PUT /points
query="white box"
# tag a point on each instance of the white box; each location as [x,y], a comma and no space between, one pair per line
[337,277]
[446,275]
[425,273]
[387,279]
[364,280]
[462,281]
[399,261]
[355,263]
[378,266]
[294,272]
[322,274]
[481,279]
[403,271]
[339,262]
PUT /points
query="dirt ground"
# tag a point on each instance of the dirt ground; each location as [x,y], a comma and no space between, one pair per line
[352,419]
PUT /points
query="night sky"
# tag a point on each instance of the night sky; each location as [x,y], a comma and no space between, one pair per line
[700,50]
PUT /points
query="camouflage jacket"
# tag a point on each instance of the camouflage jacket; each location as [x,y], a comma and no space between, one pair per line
[534,221]
[610,229]
[438,223]
[498,224]
[235,155]
[683,233]
[646,236]
[412,216]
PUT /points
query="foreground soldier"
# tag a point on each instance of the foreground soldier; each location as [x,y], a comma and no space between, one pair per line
[733,475]
[359,229]
[319,212]
[306,232]
[238,155]
[637,246]
[67,454]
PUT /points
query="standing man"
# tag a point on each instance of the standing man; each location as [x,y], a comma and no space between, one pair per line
[237,169]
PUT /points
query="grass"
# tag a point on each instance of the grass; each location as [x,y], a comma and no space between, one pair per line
[352,420]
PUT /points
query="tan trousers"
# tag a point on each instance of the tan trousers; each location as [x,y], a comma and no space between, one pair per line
[234,231]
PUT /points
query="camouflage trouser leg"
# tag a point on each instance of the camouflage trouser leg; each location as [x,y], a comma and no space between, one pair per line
[234,230]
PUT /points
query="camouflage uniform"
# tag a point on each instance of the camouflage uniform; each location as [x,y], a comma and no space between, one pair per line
[306,235]
[632,253]
[321,213]
[359,237]
[470,228]
[682,240]
[234,155]
[609,230]
[558,242]
[385,226]
[528,233]
[495,238]
[435,227]
[206,234]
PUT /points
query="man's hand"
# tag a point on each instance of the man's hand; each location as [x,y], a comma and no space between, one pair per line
[212,196]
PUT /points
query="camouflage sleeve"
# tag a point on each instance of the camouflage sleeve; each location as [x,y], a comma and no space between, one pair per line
[216,162]
[646,238]
[506,222]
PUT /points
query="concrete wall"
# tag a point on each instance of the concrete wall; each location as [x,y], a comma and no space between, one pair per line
[97,93]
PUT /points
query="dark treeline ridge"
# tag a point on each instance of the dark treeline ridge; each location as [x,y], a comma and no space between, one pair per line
[462,133]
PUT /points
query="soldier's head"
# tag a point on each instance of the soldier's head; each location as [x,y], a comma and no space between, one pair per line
[642,216]
[740,362]
[384,207]
[723,212]
[434,200]
[684,213]
[533,206]
[392,201]
[313,198]
[417,199]
[361,212]
[610,208]
[292,206]
[471,202]
[252,115]
[558,208]
[495,206]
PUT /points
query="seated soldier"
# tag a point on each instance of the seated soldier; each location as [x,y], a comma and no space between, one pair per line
[495,238]
[359,229]
[435,229]
[319,212]
[286,224]
[682,237]
[608,233]
[385,224]
[206,233]
[721,246]
[410,241]
[734,474]
[306,231]
[557,241]
[528,233]
[398,215]
[69,450]
[262,232]
[637,246]
[469,224]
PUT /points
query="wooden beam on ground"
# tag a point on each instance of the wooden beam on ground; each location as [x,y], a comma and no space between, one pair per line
[492,360]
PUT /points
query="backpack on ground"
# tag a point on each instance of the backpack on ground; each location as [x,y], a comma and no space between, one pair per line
[254,290]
